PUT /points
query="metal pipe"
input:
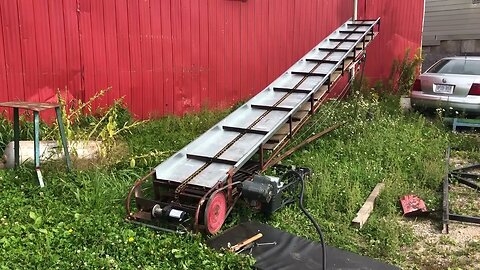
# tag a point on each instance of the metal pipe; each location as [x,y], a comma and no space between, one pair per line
[355,10]
[305,142]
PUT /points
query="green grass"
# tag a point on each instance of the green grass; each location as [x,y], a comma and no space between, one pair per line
[77,221]
[378,144]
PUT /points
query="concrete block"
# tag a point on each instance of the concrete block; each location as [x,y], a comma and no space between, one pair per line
[469,46]
[451,47]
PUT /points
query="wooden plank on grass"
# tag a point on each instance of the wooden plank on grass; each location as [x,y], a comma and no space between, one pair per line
[367,207]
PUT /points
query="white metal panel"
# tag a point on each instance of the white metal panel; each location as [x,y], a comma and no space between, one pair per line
[453,18]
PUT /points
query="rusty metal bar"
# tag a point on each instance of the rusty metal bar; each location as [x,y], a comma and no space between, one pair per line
[333,49]
[306,73]
[343,40]
[302,144]
[245,130]
[211,159]
[321,61]
[292,90]
[271,108]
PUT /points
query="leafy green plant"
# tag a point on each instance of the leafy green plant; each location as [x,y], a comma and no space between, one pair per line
[6,131]
[404,72]
[105,124]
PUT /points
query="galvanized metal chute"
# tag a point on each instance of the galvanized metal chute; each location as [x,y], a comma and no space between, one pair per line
[203,180]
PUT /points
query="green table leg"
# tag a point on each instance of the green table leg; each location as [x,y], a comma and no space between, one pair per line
[36,138]
[36,146]
[16,136]
[64,138]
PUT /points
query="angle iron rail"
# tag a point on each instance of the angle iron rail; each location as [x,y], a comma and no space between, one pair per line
[321,61]
[270,108]
[281,89]
[307,73]
[342,40]
[211,159]
[245,130]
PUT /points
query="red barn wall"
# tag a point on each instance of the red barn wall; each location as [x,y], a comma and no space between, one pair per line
[175,56]
[401,28]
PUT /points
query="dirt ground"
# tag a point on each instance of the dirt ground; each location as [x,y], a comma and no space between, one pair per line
[460,248]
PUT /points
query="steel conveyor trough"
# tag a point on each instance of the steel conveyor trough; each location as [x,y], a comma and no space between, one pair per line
[214,161]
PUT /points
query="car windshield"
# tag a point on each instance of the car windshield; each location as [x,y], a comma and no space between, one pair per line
[457,66]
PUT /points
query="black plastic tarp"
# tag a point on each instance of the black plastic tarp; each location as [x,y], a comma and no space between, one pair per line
[292,252]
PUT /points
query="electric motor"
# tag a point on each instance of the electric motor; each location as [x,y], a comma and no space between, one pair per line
[259,190]
[168,212]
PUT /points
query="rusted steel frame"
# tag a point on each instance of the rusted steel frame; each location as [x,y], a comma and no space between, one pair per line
[168,184]
[137,185]
[312,104]
[195,196]
[185,207]
[199,206]
[290,126]
[468,182]
[261,153]
[305,142]
[299,126]
[229,182]
[153,227]
[284,143]
[474,166]
[446,214]
[446,210]
[267,164]
[464,218]
[132,191]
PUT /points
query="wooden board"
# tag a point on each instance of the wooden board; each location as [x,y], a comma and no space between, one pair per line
[367,207]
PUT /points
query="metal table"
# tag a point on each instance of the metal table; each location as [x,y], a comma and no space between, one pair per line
[36,107]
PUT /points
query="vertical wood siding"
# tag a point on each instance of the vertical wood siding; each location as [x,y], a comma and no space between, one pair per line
[175,56]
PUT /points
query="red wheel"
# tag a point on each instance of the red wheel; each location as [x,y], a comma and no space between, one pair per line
[215,212]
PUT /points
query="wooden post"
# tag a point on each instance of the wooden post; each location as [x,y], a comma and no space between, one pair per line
[367,207]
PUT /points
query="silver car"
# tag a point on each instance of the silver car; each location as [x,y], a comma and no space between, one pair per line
[453,84]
